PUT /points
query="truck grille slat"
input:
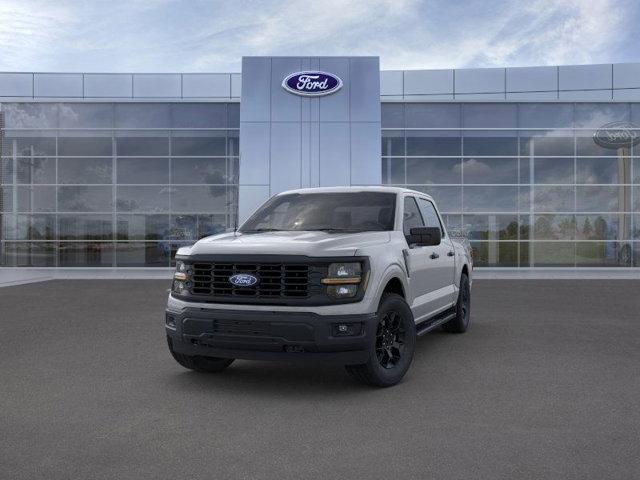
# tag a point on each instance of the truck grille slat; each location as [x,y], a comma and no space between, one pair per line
[277,280]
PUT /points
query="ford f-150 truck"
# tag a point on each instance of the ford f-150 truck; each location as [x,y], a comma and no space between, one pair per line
[349,275]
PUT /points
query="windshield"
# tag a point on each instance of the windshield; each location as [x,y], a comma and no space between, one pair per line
[331,212]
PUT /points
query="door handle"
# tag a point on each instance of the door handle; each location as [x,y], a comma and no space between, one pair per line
[451,253]
[434,255]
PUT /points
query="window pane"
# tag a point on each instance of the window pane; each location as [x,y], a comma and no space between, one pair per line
[85,170]
[6,199]
[488,115]
[603,170]
[603,254]
[392,115]
[553,170]
[212,144]
[78,254]
[490,199]
[86,115]
[545,115]
[554,227]
[598,114]
[392,143]
[433,143]
[139,254]
[490,170]
[585,145]
[199,115]
[429,214]
[143,227]
[603,199]
[233,112]
[448,199]
[491,227]
[142,146]
[233,143]
[143,199]
[36,170]
[41,254]
[393,171]
[233,170]
[495,254]
[85,227]
[432,115]
[35,227]
[636,171]
[603,227]
[199,199]
[195,227]
[30,115]
[546,144]
[554,199]
[142,170]
[553,254]
[199,170]
[6,170]
[36,199]
[434,170]
[29,146]
[91,146]
[490,144]
[412,217]
[142,115]
[85,199]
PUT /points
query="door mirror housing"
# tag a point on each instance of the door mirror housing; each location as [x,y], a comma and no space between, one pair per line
[424,236]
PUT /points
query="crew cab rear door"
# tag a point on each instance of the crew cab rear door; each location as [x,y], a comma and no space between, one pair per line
[429,279]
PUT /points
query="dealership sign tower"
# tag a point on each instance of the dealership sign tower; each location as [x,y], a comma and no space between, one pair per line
[307,122]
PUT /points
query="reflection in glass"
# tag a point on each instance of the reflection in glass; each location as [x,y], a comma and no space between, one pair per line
[494,254]
[392,115]
[553,199]
[552,254]
[546,144]
[603,170]
[80,254]
[199,115]
[554,227]
[85,199]
[199,170]
[199,199]
[490,199]
[142,115]
[491,227]
[132,170]
[146,146]
[30,115]
[553,170]
[490,115]
[211,144]
[30,146]
[596,115]
[393,171]
[195,227]
[22,254]
[434,170]
[142,227]
[432,115]
[139,254]
[85,170]
[602,226]
[490,170]
[35,227]
[36,199]
[152,199]
[86,115]
[602,198]
[36,170]
[489,144]
[545,115]
[392,143]
[448,199]
[89,146]
[433,143]
[85,227]
[603,254]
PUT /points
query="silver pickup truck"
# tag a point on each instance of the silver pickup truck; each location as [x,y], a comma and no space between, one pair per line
[348,275]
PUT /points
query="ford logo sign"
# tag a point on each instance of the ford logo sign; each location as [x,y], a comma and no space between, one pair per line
[617,135]
[312,84]
[243,280]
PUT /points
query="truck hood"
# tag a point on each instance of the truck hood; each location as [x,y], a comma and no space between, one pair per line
[312,244]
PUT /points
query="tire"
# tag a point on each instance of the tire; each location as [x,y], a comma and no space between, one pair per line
[200,364]
[461,322]
[393,345]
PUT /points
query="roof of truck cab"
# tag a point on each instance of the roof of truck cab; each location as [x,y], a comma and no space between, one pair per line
[395,190]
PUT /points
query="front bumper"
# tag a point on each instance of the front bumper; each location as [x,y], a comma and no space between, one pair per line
[270,335]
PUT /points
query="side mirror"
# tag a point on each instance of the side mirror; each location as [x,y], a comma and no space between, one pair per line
[424,236]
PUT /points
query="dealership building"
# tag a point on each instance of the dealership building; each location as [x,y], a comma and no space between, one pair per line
[539,166]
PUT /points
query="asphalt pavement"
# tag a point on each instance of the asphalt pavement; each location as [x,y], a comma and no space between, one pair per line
[544,385]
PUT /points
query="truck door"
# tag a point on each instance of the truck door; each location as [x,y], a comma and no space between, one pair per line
[424,285]
[442,258]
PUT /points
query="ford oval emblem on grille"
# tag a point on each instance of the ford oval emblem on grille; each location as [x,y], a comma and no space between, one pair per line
[243,280]
[312,84]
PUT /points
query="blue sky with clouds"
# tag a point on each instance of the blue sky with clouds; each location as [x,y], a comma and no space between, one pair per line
[212,36]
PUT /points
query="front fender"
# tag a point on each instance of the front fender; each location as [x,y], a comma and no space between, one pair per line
[394,270]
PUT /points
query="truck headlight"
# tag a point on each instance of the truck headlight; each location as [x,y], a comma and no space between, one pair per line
[343,279]
[181,279]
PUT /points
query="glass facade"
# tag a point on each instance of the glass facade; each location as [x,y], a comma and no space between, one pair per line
[114,184]
[526,181]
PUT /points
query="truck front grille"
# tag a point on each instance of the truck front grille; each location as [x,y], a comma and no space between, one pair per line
[276,280]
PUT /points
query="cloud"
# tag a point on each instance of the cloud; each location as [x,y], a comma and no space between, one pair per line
[171,35]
